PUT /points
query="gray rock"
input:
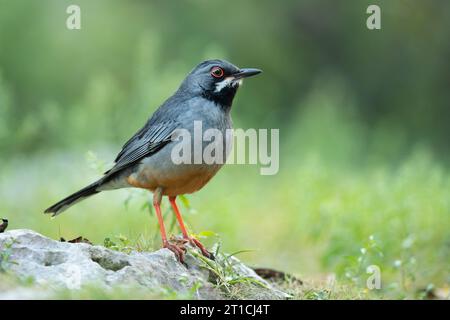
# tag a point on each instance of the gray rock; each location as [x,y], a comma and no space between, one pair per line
[57,265]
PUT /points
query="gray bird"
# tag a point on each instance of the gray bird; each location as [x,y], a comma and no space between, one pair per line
[146,161]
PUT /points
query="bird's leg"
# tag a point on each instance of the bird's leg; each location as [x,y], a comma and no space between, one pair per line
[179,251]
[186,236]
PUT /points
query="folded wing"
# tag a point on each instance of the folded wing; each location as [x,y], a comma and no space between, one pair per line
[147,141]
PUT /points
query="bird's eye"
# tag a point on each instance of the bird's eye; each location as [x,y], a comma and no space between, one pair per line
[217,72]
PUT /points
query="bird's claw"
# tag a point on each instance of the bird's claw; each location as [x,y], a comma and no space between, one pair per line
[177,247]
[194,242]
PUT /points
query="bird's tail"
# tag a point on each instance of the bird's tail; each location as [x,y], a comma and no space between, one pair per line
[78,196]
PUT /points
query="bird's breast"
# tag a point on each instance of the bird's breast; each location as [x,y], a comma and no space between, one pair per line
[211,145]
[160,171]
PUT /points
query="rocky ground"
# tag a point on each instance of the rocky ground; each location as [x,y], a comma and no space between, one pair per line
[42,267]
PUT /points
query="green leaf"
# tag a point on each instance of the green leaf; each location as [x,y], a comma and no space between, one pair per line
[184,201]
[207,234]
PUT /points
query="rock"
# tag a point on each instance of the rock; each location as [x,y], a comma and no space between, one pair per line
[61,265]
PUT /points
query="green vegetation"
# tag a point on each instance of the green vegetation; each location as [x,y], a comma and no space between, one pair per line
[315,219]
[5,255]
[364,155]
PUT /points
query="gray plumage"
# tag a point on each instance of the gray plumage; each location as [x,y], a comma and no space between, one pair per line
[145,159]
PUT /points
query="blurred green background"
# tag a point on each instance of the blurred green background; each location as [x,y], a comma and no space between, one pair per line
[363,117]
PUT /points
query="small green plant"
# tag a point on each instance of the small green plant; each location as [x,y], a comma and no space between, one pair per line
[355,268]
[5,256]
[406,266]
[194,287]
[223,273]
[123,244]
[407,263]
[321,294]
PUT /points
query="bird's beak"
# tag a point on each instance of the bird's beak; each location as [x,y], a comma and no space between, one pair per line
[246,72]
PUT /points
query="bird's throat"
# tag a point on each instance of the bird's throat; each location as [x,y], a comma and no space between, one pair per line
[223,98]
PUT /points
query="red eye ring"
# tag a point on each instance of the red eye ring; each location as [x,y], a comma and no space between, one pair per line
[217,72]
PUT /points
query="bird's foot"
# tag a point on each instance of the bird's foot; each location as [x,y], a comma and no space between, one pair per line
[194,242]
[177,247]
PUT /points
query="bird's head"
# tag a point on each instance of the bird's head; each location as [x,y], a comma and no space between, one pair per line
[217,80]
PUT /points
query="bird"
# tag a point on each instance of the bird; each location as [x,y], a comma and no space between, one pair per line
[145,160]
[3,225]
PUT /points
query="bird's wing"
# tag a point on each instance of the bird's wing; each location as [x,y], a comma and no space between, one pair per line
[147,141]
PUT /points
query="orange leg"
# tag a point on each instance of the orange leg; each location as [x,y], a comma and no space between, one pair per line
[186,236]
[179,252]
[179,218]
[157,204]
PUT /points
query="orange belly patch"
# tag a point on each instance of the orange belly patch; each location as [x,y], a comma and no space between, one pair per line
[135,183]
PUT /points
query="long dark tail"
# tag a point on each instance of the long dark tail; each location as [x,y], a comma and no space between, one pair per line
[78,196]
